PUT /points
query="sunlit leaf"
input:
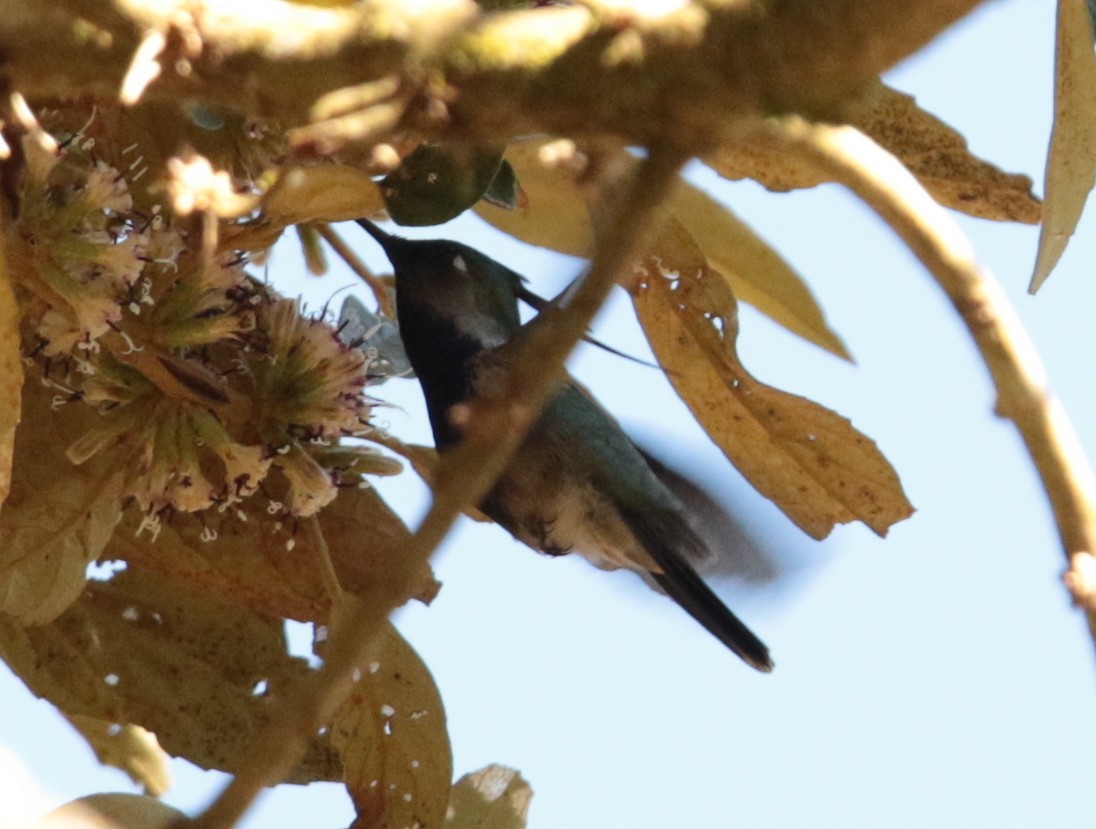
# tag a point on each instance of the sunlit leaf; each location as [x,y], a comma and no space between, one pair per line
[933,151]
[391,734]
[11,374]
[808,460]
[435,184]
[202,675]
[939,157]
[265,562]
[317,193]
[495,797]
[321,193]
[1071,161]
[757,273]
[557,218]
[58,517]
[129,748]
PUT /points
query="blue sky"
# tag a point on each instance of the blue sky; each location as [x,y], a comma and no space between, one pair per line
[937,677]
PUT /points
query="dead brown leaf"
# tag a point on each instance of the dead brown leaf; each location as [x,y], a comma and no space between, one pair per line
[808,460]
[394,744]
[933,151]
[201,674]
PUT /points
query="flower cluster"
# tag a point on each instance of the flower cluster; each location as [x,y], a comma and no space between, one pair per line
[208,386]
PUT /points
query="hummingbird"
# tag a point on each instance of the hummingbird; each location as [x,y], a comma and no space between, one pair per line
[577,482]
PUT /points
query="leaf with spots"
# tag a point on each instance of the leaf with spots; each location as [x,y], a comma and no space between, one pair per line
[808,460]
[392,736]
[200,674]
[495,797]
[933,151]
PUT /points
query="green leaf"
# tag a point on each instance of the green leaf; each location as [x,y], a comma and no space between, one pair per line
[437,183]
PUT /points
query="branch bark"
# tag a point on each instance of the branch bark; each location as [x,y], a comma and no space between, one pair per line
[681,78]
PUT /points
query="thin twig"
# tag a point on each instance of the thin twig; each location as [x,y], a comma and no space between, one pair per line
[1023,395]
[465,474]
[375,283]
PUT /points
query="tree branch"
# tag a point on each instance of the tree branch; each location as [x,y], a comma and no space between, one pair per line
[464,72]
[1023,395]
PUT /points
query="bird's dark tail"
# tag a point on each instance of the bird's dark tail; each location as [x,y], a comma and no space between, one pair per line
[684,586]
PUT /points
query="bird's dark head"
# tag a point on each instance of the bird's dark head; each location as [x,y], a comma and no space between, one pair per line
[440,281]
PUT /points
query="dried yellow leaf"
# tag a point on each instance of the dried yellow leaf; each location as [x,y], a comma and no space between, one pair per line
[395,749]
[1071,160]
[322,193]
[933,151]
[129,748]
[757,273]
[202,675]
[58,517]
[808,460]
[556,217]
[495,797]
